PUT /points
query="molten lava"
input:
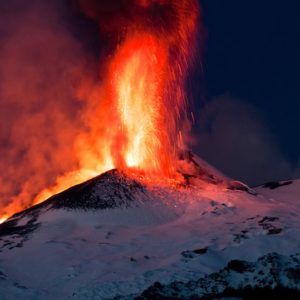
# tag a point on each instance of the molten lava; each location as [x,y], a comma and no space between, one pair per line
[133,125]
[137,82]
[135,117]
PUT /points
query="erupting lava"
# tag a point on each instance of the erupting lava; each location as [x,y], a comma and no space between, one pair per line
[137,76]
[138,126]
[135,116]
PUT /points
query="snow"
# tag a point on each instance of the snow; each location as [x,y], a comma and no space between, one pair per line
[168,235]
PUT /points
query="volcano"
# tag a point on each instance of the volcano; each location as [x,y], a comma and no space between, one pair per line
[157,222]
[115,237]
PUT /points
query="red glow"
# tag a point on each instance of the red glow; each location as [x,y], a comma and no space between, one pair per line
[134,116]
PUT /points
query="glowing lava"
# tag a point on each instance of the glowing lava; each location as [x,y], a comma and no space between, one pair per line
[137,81]
[134,117]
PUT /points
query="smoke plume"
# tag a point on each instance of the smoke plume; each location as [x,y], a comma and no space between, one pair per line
[40,68]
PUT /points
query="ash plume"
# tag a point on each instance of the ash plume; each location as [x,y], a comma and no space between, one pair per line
[40,67]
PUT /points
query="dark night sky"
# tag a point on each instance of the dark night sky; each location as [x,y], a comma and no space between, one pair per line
[251,73]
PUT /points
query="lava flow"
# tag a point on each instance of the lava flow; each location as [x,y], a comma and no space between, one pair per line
[136,118]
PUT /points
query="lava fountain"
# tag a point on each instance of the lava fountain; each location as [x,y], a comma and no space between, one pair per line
[136,117]
[140,110]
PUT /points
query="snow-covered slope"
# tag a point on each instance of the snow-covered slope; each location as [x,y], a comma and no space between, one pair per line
[113,237]
[271,276]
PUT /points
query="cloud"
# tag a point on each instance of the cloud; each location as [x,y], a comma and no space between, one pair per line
[233,137]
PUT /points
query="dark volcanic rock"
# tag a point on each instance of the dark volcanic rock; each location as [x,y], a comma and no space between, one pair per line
[13,235]
[109,190]
[276,184]
[267,224]
[238,266]
[11,227]
[271,275]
